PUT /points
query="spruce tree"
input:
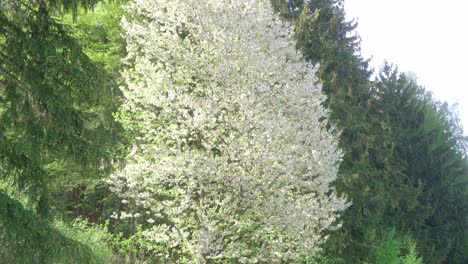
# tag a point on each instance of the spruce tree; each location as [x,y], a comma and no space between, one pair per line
[429,151]
[381,123]
[51,104]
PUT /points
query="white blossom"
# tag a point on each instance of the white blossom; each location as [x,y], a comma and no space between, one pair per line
[231,156]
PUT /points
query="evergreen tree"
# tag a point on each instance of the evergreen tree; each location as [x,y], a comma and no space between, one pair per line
[430,160]
[325,37]
[51,109]
[380,121]
[99,34]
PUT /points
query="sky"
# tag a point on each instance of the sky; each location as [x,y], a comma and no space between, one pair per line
[427,37]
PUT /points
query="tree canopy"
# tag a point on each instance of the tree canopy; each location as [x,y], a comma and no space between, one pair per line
[229,134]
[206,131]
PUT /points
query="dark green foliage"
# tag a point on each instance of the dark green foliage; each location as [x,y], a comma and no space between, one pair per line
[430,157]
[405,166]
[405,155]
[56,126]
[49,93]
[325,37]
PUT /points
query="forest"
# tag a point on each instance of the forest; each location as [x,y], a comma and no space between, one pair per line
[218,131]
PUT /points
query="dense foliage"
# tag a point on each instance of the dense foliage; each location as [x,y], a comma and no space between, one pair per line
[232,159]
[54,128]
[223,134]
[404,152]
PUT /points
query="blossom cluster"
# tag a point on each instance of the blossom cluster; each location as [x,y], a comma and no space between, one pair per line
[232,157]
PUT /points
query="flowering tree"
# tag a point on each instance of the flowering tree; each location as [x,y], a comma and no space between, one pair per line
[231,159]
